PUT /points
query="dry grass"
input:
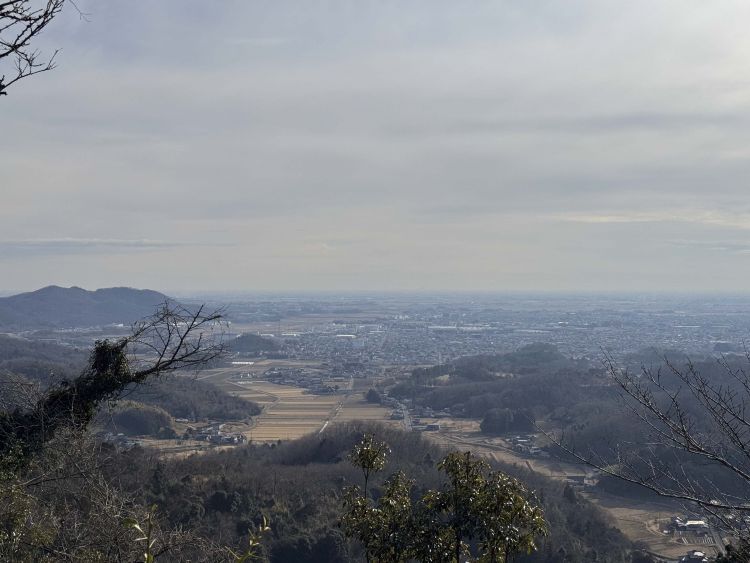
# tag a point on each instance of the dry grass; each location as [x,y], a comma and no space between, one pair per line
[288,412]
[355,407]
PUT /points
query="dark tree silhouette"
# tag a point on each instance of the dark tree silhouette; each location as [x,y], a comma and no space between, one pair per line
[173,338]
[21,22]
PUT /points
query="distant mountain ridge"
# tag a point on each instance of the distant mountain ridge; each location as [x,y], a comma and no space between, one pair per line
[56,306]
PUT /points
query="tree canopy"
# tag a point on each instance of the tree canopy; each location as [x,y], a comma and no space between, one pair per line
[21,22]
[480,514]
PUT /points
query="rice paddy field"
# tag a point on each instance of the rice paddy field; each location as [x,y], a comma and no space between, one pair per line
[355,407]
[289,412]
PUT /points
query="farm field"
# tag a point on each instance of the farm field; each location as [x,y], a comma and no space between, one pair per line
[288,412]
[355,407]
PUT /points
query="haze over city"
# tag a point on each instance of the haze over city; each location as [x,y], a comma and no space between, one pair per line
[587,145]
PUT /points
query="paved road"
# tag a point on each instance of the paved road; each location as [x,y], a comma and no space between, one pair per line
[406,419]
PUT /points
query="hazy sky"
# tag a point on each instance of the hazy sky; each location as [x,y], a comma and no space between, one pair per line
[376,144]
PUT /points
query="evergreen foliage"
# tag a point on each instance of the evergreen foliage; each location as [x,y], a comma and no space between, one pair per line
[488,509]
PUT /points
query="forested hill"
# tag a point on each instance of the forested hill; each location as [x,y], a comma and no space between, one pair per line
[298,486]
[535,377]
[55,306]
[35,360]
[252,344]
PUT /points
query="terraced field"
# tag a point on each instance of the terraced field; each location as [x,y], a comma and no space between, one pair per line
[291,414]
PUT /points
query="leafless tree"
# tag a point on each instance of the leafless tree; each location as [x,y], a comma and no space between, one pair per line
[67,506]
[691,436]
[174,338]
[56,501]
[21,22]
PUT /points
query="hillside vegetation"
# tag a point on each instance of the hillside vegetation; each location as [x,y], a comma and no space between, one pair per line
[252,344]
[186,397]
[299,487]
[41,362]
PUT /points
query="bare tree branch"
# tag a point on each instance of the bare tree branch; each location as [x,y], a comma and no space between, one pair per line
[21,21]
[174,338]
[687,418]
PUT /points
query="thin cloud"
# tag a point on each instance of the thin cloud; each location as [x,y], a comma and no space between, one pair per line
[731,247]
[613,123]
[91,245]
[258,41]
[88,242]
[712,218]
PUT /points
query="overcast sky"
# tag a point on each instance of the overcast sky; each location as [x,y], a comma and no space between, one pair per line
[383,145]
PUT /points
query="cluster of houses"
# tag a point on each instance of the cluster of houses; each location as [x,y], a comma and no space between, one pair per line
[402,409]
[524,444]
[697,526]
[694,556]
[214,433]
[120,440]
[306,378]
[414,410]
[427,412]
[418,426]
[583,481]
